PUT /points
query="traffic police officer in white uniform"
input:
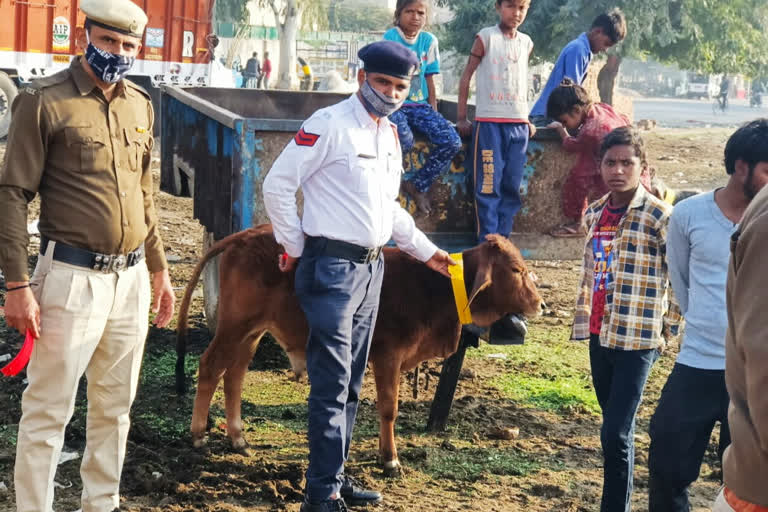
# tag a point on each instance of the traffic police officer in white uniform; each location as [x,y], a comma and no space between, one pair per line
[347,160]
[82,139]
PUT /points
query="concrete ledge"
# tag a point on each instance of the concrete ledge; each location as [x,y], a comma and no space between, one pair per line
[535,246]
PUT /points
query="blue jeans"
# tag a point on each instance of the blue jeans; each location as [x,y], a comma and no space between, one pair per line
[498,159]
[340,300]
[619,377]
[692,401]
[444,138]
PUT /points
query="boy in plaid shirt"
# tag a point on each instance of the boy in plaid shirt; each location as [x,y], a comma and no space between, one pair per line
[623,304]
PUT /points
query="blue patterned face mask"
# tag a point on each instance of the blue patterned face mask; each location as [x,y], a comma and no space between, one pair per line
[109,68]
[378,104]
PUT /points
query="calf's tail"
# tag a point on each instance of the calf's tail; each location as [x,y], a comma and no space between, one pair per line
[182,327]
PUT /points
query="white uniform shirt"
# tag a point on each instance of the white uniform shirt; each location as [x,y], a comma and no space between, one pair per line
[349,169]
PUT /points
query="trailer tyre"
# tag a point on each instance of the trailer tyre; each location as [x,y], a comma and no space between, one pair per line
[8,92]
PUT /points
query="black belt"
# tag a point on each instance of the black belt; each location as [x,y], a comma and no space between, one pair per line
[94,260]
[344,250]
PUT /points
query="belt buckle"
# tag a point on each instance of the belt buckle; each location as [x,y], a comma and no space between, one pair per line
[118,263]
[372,254]
[108,263]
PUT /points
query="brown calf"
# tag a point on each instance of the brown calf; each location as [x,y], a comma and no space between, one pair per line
[417,320]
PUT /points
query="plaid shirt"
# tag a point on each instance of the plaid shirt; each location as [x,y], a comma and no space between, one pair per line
[639,304]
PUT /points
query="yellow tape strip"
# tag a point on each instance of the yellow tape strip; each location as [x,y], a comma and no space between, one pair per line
[460,289]
[670,196]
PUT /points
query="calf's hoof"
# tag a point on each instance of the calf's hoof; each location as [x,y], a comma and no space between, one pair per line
[241,446]
[392,468]
[199,441]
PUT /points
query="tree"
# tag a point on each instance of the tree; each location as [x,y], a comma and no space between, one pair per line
[711,36]
[346,17]
[290,15]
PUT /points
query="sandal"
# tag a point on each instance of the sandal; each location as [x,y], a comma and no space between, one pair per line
[572,230]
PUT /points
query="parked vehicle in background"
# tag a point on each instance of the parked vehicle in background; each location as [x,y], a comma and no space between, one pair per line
[700,85]
[37,39]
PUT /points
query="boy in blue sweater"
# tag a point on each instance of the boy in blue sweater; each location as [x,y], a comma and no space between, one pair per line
[607,30]
[698,251]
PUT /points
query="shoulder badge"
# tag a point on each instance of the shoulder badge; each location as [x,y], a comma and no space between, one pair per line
[306,139]
[35,86]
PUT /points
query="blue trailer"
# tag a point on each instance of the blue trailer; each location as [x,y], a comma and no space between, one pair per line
[218,145]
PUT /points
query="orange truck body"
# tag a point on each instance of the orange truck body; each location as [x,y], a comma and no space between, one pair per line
[37,38]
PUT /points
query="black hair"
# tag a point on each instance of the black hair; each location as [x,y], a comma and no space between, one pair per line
[625,136]
[566,97]
[87,25]
[613,24]
[749,144]
[499,2]
[401,5]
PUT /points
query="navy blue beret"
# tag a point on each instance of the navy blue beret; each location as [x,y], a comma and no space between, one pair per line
[389,58]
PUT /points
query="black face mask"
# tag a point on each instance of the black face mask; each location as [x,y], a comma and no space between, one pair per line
[109,68]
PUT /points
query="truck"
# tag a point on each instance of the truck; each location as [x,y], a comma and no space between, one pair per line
[40,38]
[700,85]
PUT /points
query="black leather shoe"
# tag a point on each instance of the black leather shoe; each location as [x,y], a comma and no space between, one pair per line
[324,506]
[510,330]
[356,496]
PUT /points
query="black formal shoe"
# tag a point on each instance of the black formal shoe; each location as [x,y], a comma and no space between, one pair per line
[355,495]
[324,506]
[510,330]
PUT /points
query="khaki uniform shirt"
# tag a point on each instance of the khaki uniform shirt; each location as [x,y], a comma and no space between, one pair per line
[89,159]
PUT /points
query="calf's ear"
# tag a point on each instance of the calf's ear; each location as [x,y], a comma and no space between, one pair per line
[483,274]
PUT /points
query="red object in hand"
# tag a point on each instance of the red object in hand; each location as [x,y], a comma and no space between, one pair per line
[284,258]
[22,358]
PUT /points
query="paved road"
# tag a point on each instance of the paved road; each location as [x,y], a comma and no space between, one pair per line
[678,113]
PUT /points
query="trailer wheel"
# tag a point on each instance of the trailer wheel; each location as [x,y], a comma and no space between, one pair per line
[210,285]
[8,92]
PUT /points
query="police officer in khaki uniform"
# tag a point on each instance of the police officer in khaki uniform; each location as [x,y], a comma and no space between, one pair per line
[82,139]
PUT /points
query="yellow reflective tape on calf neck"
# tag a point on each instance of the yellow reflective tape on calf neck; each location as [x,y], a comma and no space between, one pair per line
[670,196]
[460,289]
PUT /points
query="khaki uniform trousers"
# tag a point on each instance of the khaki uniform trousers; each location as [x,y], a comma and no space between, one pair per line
[95,324]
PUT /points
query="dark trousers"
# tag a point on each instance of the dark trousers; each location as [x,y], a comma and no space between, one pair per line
[498,159]
[619,377]
[340,300]
[692,401]
[445,141]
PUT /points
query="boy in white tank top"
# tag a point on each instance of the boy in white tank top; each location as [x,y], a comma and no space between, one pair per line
[497,153]
[501,132]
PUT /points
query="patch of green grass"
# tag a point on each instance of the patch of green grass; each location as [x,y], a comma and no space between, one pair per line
[8,435]
[165,427]
[158,411]
[548,372]
[271,403]
[473,464]
[272,388]
[160,367]
[561,395]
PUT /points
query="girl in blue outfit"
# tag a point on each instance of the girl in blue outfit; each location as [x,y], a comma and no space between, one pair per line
[419,113]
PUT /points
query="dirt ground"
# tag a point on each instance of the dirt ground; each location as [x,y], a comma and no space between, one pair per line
[553,464]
